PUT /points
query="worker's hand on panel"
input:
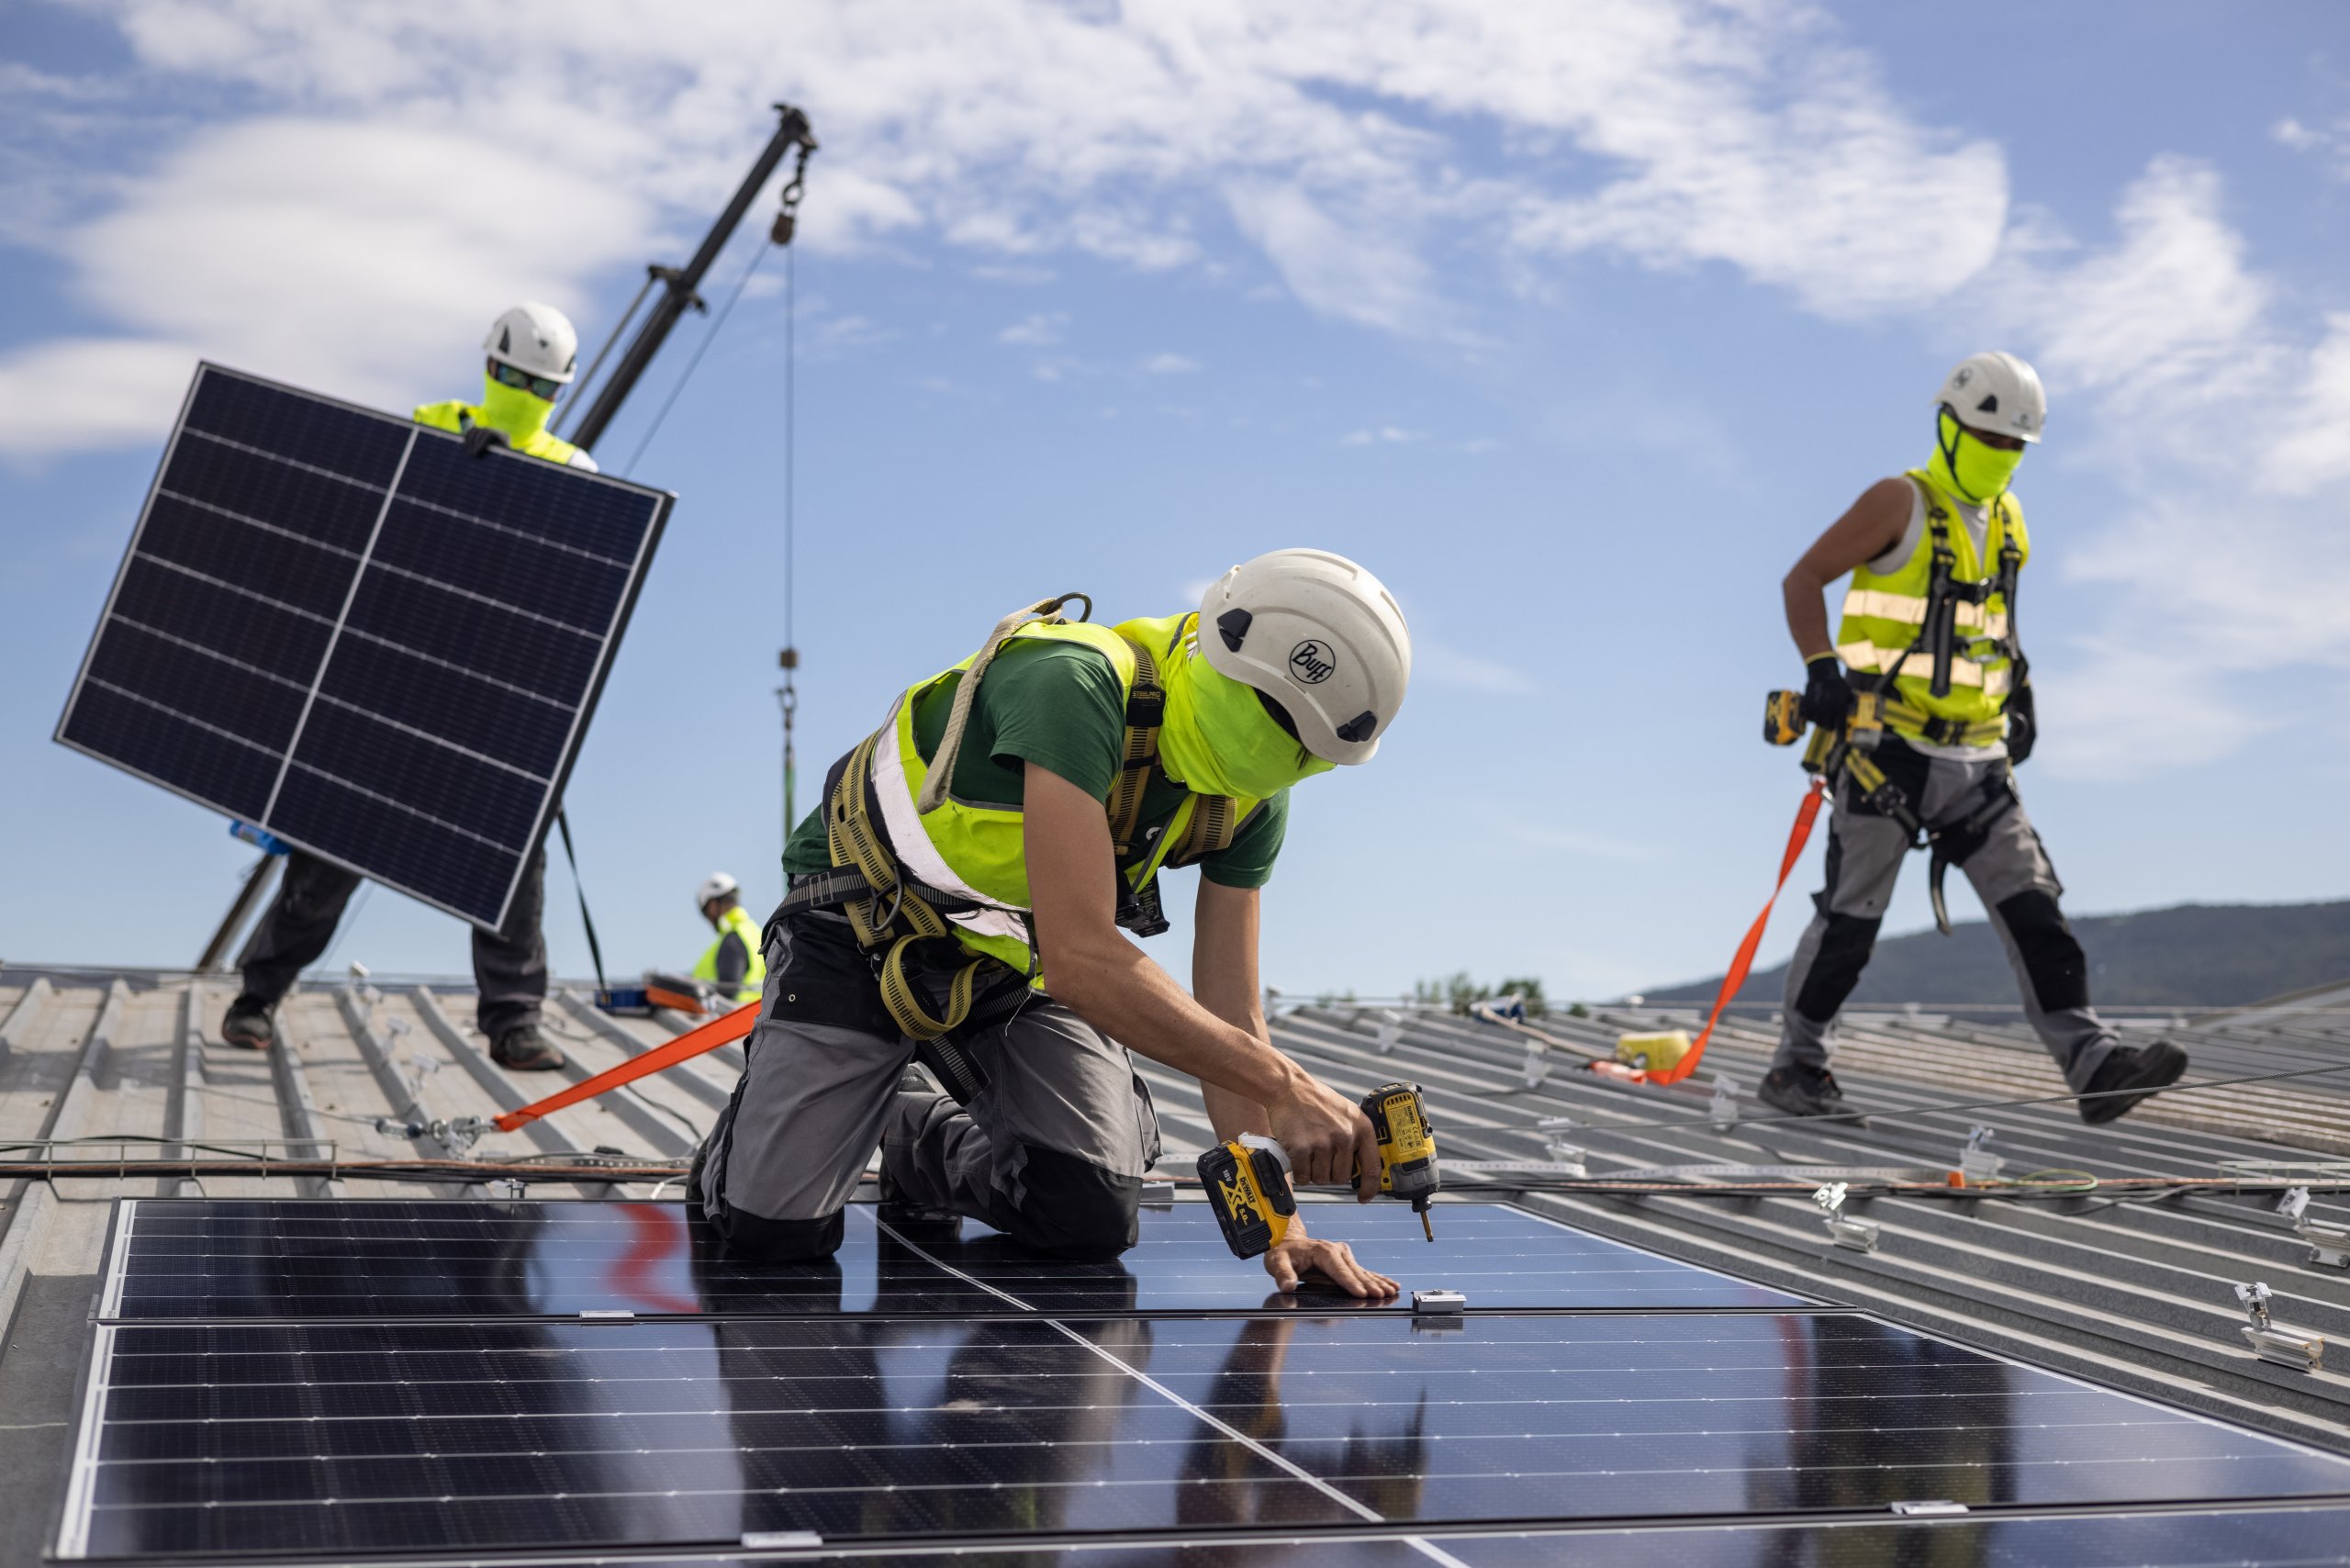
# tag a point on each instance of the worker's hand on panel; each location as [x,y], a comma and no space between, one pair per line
[479,439]
[1334,1260]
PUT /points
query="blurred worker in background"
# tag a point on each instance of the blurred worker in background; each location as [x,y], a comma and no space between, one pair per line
[959,898]
[1929,636]
[533,353]
[733,967]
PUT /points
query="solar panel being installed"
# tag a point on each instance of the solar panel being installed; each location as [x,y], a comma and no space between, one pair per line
[335,625]
[897,1412]
[276,1258]
[408,1437]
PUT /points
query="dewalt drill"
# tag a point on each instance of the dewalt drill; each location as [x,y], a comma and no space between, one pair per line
[1247,1179]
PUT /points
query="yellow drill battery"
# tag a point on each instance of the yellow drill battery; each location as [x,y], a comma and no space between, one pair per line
[1248,1185]
[1653,1053]
[1247,1180]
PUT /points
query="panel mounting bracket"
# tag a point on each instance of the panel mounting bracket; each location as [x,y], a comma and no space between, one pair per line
[1852,1234]
[2273,1341]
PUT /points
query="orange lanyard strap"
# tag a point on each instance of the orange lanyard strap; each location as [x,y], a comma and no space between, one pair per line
[1805,816]
[723,1030]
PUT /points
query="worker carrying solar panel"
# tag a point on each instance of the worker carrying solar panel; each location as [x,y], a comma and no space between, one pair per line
[533,353]
[957,898]
[1928,725]
[733,967]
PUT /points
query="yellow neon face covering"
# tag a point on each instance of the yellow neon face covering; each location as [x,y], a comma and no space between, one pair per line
[514,410]
[1217,739]
[1962,461]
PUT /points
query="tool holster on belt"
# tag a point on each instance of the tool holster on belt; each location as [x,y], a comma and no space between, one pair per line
[1843,755]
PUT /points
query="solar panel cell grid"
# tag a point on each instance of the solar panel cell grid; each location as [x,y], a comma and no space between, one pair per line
[339,625]
[298,1260]
[412,1435]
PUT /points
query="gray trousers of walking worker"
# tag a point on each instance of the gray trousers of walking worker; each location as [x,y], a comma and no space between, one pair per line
[2010,874]
[510,965]
[1051,1150]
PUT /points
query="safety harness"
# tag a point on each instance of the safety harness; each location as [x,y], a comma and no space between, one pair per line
[1844,753]
[889,910]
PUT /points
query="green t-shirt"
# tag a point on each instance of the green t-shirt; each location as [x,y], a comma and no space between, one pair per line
[1059,706]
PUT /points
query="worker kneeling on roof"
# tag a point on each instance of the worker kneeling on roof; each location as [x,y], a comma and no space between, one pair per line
[733,967]
[1929,636]
[959,898]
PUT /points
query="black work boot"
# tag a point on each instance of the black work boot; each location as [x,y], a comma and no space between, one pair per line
[919,1222]
[249,1024]
[523,1049]
[1803,1089]
[2138,1071]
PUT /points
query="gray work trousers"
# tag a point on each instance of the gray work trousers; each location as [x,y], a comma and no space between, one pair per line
[2010,873]
[1051,1150]
[510,964]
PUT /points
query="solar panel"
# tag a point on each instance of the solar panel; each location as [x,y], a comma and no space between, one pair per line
[334,624]
[269,1257]
[2273,1537]
[406,1437]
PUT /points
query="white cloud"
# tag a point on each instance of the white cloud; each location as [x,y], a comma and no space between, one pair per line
[2329,142]
[393,177]
[2227,435]
[1440,664]
[1041,331]
[1169,364]
[1383,435]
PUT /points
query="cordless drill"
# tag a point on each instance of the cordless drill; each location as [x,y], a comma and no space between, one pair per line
[1247,1179]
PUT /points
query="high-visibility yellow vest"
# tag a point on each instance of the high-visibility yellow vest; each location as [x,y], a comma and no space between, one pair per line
[974,849]
[1971,645]
[457,415]
[738,923]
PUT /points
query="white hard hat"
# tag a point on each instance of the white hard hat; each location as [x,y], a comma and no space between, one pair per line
[1320,636]
[537,339]
[719,886]
[1996,393]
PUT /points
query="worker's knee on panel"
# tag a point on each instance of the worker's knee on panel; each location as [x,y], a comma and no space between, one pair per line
[747,1235]
[1845,942]
[2053,961]
[1073,1208]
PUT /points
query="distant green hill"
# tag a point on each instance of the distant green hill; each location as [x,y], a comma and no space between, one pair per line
[2192,956]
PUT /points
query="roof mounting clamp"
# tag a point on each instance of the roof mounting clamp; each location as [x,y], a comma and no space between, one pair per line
[759,1540]
[2329,1245]
[1572,1158]
[1159,1194]
[1722,1110]
[1977,1164]
[1439,1303]
[1928,1509]
[1851,1233]
[2271,1341]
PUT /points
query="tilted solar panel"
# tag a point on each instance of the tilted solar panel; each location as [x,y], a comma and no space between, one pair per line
[334,624]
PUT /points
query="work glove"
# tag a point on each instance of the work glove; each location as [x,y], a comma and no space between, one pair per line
[1827,695]
[479,439]
[2023,725]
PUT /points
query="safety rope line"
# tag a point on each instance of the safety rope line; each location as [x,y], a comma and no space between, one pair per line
[1799,836]
[1854,1116]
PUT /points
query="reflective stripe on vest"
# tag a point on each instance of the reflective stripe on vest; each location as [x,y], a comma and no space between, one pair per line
[1885,613]
[456,415]
[976,849]
[738,921]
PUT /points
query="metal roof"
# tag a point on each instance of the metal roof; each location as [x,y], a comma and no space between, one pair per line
[2133,1292]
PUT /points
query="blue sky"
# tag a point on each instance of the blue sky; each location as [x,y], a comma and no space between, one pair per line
[1574,322]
